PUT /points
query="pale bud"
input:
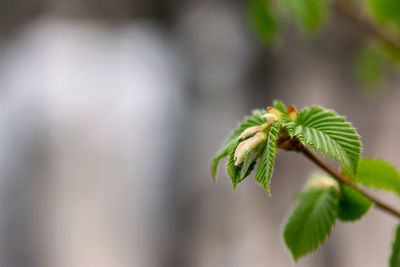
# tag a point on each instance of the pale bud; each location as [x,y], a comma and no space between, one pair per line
[251,130]
[255,141]
[270,117]
[240,152]
[248,145]
[322,182]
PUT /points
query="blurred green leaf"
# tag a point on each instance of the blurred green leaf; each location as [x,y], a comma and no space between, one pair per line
[263,17]
[311,221]
[386,11]
[308,14]
[378,174]
[352,205]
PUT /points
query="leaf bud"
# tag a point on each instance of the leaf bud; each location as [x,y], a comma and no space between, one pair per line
[248,145]
[292,112]
[322,182]
[251,130]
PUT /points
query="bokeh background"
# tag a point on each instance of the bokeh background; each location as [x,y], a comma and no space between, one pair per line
[110,112]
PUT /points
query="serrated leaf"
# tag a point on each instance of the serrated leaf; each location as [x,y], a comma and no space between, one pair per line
[267,160]
[279,105]
[308,14]
[395,258]
[352,205]
[253,120]
[331,134]
[378,174]
[264,20]
[248,160]
[288,125]
[311,221]
[232,169]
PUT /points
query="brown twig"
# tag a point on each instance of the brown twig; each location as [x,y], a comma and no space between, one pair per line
[345,180]
[343,9]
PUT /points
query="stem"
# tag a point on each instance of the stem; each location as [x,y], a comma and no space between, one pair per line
[350,14]
[345,180]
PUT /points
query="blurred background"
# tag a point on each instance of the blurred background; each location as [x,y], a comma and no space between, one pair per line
[110,113]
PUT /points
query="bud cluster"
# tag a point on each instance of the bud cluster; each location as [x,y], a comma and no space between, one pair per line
[258,135]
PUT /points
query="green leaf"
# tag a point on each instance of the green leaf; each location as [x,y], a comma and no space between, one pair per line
[386,11]
[352,205]
[239,173]
[395,258]
[250,121]
[248,160]
[331,134]
[378,174]
[311,220]
[308,14]
[267,160]
[279,105]
[263,19]
[232,169]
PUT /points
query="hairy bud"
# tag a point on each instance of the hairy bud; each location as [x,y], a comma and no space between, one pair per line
[251,130]
[240,152]
[248,145]
[256,141]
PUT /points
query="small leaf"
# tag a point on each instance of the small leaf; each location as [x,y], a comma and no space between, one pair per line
[352,205]
[378,174]
[279,105]
[267,160]
[308,14]
[263,19]
[253,120]
[248,160]
[232,169]
[395,258]
[311,221]
[331,134]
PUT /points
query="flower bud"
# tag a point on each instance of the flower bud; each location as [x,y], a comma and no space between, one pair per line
[322,182]
[270,117]
[251,130]
[292,112]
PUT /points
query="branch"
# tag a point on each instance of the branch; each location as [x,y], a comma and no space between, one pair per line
[348,13]
[345,180]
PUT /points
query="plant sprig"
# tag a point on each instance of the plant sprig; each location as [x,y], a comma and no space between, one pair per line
[326,196]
